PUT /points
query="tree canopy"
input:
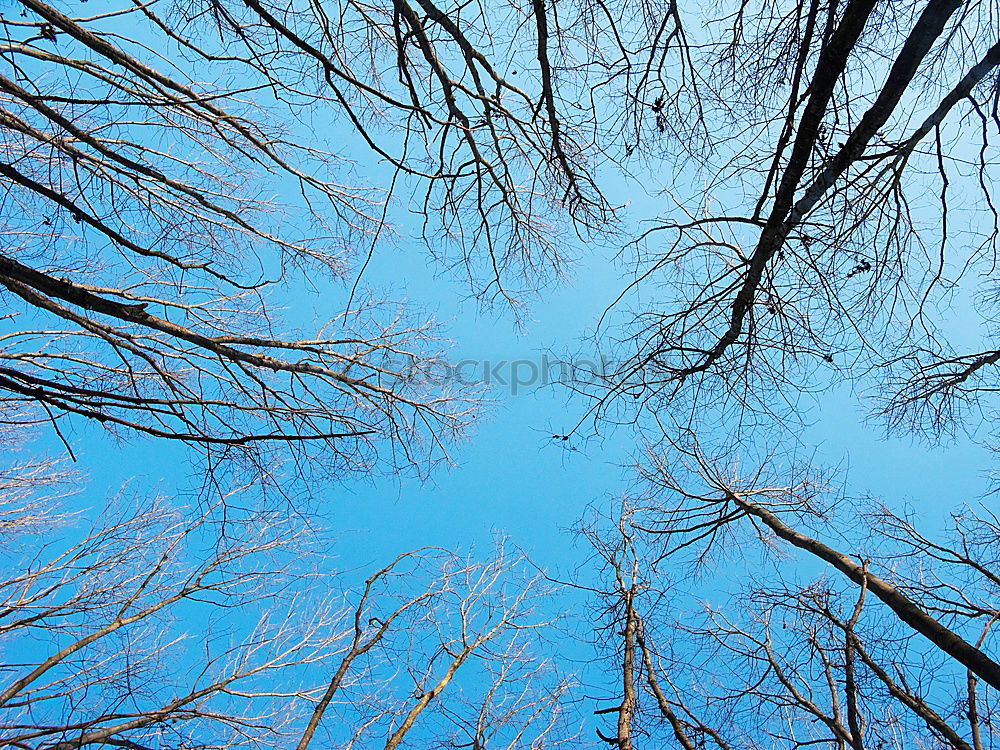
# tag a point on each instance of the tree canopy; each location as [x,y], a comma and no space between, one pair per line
[797,196]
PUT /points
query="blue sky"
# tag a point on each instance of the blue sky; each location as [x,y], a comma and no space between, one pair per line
[509,476]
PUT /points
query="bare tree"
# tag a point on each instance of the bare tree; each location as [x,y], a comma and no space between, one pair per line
[735,625]
[833,200]
[486,619]
[151,628]
[145,258]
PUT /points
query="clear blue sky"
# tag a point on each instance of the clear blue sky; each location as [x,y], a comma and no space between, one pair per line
[509,475]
